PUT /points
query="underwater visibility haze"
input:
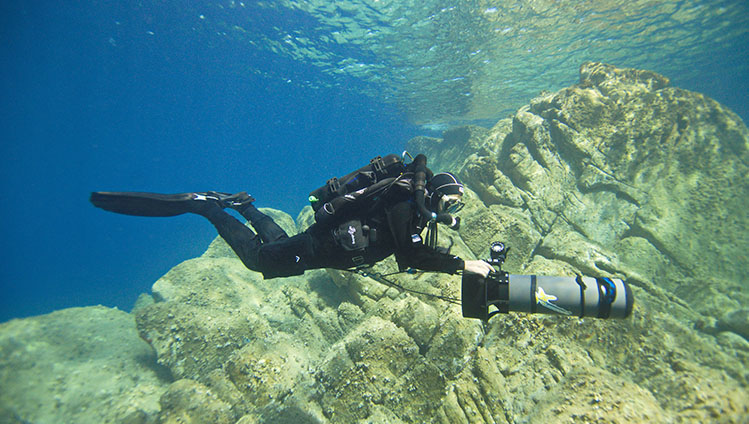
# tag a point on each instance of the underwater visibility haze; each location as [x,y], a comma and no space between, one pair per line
[275,98]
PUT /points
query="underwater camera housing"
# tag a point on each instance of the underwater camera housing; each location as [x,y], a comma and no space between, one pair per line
[537,294]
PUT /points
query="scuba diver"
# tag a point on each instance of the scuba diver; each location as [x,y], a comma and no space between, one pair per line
[376,211]
[362,218]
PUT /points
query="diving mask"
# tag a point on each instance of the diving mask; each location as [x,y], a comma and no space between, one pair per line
[451,203]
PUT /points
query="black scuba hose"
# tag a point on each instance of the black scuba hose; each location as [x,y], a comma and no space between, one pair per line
[420,182]
[381,278]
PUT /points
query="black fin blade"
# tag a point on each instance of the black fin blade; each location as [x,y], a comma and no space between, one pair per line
[142,204]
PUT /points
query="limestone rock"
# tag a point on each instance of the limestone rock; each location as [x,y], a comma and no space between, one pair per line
[613,176]
[652,173]
[378,364]
[597,396]
[593,179]
[187,401]
[736,321]
[620,175]
[78,365]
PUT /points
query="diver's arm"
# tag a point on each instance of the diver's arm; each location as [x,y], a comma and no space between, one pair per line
[478,267]
[410,250]
[427,259]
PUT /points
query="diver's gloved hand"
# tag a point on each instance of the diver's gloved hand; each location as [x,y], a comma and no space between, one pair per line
[478,267]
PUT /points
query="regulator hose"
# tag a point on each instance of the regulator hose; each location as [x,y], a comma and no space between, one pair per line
[420,182]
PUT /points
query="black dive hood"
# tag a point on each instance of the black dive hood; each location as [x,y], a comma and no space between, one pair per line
[420,182]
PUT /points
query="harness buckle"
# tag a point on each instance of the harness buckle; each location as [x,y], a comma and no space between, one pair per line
[333,185]
[378,165]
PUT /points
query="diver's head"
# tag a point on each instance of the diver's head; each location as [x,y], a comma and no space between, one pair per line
[445,193]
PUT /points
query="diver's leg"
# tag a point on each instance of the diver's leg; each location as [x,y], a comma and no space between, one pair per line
[240,238]
[266,228]
[209,204]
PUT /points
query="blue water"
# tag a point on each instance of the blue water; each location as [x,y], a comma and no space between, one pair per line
[167,97]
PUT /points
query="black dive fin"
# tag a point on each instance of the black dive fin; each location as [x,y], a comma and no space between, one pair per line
[144,204]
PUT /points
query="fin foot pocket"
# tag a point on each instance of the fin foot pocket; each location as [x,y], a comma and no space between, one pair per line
[237,201]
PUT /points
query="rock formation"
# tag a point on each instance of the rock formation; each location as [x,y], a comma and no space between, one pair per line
[78,365]
[619,175]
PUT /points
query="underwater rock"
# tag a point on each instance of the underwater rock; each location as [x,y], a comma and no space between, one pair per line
[597,396]
[622,175]
[654,174]
[619,175]
[187,401]
[378,364]
[593,179]
[736,321]
[78,365]
[456,142]
[196,327]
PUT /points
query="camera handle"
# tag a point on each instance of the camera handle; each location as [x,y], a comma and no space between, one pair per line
[499,292]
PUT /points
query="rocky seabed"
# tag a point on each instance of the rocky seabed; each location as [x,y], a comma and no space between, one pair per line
[620,175]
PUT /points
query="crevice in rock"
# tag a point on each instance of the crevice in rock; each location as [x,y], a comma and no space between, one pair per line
[612,176]
[543,230]
[151,362]
[503,156]
[462,402]
[534,252]
[608,267]
[567,151]
[573,225]
[423,349]
[572,196]
[612,188]
[534,148]
[537,248]
[636,230]
[653,289]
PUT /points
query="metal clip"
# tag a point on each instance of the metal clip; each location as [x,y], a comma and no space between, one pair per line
[378,165]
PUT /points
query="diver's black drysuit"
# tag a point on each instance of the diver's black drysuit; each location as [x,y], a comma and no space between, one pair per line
[275,254]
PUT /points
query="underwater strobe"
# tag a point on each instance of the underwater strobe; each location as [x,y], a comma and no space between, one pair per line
[537,294]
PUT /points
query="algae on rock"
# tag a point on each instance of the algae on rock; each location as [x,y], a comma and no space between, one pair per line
[78,365]
[621,175]
[591,179]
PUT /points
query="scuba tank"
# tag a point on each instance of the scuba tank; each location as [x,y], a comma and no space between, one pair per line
[340,196]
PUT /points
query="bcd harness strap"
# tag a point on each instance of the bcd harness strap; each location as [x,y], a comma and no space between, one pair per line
[333,184]
[378,170]
[366,199]
[378,165]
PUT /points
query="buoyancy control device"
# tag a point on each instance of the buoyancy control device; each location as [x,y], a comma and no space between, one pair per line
[341,196]
[347,199]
